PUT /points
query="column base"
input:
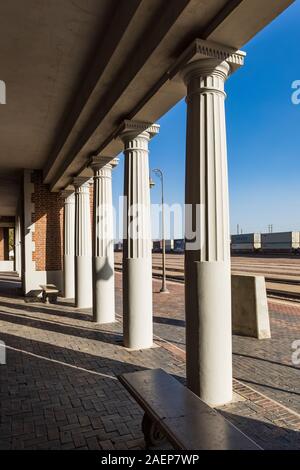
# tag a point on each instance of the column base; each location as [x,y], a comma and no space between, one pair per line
[69,277]
[103,290]
[164,290]
[209,341]
[83,284]
[137,292]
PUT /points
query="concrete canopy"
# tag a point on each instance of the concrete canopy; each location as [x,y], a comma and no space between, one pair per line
[9,196]
[44,49]
[75,70]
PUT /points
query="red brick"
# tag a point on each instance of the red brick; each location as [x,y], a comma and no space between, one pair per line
[48,219]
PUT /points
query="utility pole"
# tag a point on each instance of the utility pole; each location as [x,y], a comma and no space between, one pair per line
[160,175]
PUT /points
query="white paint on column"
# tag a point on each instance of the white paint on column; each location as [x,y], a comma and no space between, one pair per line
[18,246]
[83,244]
[137,247]
[103,241]
[69,244]
[28,269]
[207,264]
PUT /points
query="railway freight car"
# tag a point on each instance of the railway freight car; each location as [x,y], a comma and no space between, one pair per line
[281,242]
[157,246]
[246,243]
[179,245]
[118,246]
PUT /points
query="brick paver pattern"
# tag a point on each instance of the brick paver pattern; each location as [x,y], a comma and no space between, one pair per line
[59,387]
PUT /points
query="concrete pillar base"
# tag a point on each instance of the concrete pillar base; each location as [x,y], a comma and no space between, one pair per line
[83,266]
[69,281]
[209,347]
[104,290]
[138,329]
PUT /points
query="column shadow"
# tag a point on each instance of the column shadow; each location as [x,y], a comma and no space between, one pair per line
[266,434]
[46,325]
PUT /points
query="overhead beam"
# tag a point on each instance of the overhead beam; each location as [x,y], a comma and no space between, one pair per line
[142,89]
[103,53]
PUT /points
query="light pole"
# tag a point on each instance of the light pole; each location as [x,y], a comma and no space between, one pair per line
[160,175]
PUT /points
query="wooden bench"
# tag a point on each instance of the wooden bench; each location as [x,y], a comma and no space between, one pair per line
[174,413]
[49,293]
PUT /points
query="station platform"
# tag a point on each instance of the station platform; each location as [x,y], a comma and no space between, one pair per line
[59,387]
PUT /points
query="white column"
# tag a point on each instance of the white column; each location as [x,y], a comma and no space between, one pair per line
[69,244]
[207,260]
[137,246]
[103,241]
[18,252]
[83,244]
[28,266]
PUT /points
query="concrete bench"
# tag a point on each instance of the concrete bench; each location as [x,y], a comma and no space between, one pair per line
[174,413]
[49,293]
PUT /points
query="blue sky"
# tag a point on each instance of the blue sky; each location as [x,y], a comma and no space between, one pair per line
[263,131]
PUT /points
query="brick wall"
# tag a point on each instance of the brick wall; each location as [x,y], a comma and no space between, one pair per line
[1,244]
[48,232]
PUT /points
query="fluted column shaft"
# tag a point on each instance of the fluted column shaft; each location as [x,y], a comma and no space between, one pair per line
[103,242]
[18,245]
[69,244]
[137,262]
[207,260]
[83,244]
[18,255]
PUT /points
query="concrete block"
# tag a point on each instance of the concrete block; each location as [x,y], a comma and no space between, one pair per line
[250,313]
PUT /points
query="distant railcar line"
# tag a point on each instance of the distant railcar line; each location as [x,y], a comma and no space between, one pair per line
[282,274]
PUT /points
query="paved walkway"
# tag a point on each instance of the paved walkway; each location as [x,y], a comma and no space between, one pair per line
[59,388]
[266,364]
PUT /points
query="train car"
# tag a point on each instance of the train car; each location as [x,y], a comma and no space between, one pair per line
[118,246]
[169,245]
[281,242]
[157,246]
[179,245]
[246,243]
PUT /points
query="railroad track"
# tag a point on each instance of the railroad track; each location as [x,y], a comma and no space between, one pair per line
[280,295]
[277,288]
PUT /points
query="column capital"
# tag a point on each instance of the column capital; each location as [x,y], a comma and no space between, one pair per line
[211,55]
[100,162]
[203,68]
[67,194]
[81,181]
[132,129]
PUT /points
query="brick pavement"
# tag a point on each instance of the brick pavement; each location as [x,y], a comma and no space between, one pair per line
[265,365]
[59,389]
